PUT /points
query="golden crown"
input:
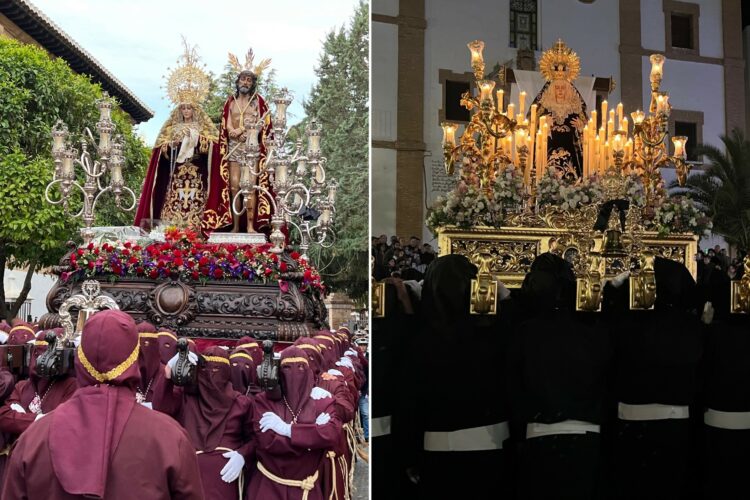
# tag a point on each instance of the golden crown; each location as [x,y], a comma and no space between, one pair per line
[560,63]
[188,83]
[248,65]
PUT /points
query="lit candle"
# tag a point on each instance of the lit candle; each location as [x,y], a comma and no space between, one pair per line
[594,118]
[657,63]
[485,90]
[638,117]
[629,150]
[610,127]
[604,110]
[500,100]
[679,142]
[476,47]
[624,125]
[511,111]
[597,153]
[619,112]
[449,134]
[617,143]
[662,103]
[522,102]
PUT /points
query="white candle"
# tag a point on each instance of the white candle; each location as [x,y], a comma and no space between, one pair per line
[522,102]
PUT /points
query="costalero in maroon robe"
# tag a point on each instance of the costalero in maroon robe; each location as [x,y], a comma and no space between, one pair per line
[296,458]
[100,443]
[149,362]
[167,345]
[217,418]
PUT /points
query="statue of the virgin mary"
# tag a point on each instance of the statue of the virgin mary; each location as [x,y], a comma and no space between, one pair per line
[185,185]
[565,109]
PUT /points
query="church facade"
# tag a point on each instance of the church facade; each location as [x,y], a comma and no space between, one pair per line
[420,68]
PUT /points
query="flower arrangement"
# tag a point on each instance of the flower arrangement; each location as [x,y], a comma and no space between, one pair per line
[185,256]
[508,187]
[678,214]
[465,206]
[568,194]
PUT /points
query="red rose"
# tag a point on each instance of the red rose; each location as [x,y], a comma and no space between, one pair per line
[203,261]
[116,269]
[269,271]
[274,257]
[160,264]
[137,248]
[178,262]
[249,254]
[294,255]
[127,244]
[133,260]
[194,275]
[125,252]
[191,264]
[218,273]
[283,267]
[153,274]
[96,251]
[91,264]
[231,248]
[91,246]
[139,271]
[246,274]
[205,271]
[308,274]
[80,251]
[177,253]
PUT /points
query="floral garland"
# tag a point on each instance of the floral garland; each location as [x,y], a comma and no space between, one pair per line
[185,256]
[555,189]
[678,214]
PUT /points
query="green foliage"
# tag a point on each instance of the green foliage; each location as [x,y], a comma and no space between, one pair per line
[723,189]
[340,102]
[36,91]
[222,87]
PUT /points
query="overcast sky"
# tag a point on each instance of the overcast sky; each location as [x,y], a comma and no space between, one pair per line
[136,40]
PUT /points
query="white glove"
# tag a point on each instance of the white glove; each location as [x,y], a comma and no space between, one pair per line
[192,357]
[40,415]
[233,467]
[77,340]
[351,352]
[708,313]
[345,362]
[323,419]
[320,393]
[335,372]
[3,337]
[271,421]
[18,408]
[618,280]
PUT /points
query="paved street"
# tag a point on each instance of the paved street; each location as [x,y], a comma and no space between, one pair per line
[361,478]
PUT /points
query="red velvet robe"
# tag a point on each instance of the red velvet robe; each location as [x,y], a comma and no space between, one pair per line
[14,423]
[294,458]
[263,207]
[237,436]
[154,460]
[215,180]
[7,383]
[333,471]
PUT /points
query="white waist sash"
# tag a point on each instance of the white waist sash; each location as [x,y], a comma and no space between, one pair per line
[653,411]
[487,437]
[535,429]
[731,420]
[380,426]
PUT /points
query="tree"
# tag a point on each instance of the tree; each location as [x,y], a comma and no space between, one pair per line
[723,189]
[340,102]
[35,91]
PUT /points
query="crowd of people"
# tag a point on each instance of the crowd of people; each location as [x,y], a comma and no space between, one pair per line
[717,259]
[399,258]
[117,426]
[541,401]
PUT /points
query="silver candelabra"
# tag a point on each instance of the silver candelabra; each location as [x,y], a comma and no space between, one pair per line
[300,197]
[110,159]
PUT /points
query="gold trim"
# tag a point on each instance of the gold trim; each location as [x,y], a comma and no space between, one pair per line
[22,327]
[294,360]
[241,355]
[148,335]
[114,372]
[41,342]
[308,346]
[167,334]
[216,359]
[247,346]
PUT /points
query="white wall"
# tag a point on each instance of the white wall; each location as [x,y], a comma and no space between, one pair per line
[40,286]
[385,7]
[384,81]
[383,189]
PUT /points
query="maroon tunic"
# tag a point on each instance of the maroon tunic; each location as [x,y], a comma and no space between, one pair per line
[154,460]
[12,422]
[7,382]
[212,430]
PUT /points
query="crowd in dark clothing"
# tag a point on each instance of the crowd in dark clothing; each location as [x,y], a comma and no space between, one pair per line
[543,401]
[717,259]
[399,258]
